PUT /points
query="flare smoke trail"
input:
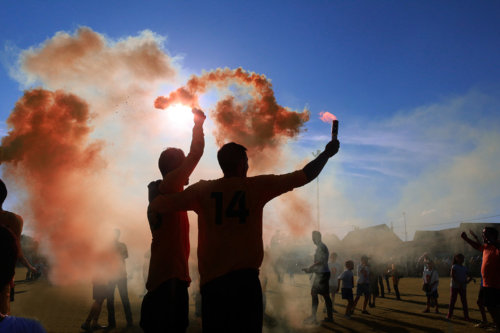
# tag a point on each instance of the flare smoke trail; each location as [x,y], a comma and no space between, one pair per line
[79,149]
[259,122]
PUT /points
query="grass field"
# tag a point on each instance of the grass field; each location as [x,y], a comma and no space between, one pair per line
[63,309]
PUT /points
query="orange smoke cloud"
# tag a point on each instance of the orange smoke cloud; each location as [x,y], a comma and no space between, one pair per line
[48,146]
[327,116]
[258,122]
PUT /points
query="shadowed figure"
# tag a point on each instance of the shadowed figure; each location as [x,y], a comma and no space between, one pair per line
[14,223]
[165,305]
[230,245]
[321,280]
[119,282]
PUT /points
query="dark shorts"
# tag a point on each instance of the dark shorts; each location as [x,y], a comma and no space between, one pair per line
[165,309]
[432,294]
[100,291]
[347,294]
[363,289]
[321,284]
[491,297]
[232,303]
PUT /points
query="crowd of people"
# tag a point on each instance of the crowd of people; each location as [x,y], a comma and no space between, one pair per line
[230,252]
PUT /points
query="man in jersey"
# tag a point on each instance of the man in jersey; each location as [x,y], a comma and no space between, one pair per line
[230,246]
[320,284]
[165,305]
[14,223]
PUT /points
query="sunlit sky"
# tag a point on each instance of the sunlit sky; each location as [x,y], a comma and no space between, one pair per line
[415,85]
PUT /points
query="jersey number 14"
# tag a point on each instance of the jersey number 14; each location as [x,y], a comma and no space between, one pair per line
[237,207]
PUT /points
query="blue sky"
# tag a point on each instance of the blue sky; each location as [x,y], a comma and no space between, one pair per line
[415,85]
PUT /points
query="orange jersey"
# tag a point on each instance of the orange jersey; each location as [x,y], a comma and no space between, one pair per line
[170,231]
[230,219]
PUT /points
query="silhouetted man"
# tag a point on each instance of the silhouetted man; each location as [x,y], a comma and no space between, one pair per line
[165,305]
[230,247]
[321,280]
[121,282]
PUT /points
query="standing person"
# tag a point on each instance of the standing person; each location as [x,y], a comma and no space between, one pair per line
[431,283]
[14,223]
[121,283]
[374,292]
[230,246]
[100,292]
[334,273]
[347,279]
[165,306]
[321,280]
[490,270]
[395,280]
[363,284]
[387,275]
[458,285]
[9,248]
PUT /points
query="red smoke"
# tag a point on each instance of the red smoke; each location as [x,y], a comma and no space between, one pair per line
[327,117]
[47,147]
[257,121]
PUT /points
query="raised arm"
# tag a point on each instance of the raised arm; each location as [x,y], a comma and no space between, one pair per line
[179,177]
[472,243]
[313,168]
[181,201]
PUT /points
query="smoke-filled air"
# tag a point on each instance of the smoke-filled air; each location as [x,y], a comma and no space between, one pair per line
[83,141]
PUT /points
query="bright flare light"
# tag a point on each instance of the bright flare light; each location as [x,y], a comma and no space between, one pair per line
[180,116]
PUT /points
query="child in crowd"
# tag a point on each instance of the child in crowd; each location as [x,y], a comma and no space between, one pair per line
[347,278]
[458,284]
[431,283]
[363,285]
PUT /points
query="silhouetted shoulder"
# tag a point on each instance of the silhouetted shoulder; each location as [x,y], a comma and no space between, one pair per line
[12,221]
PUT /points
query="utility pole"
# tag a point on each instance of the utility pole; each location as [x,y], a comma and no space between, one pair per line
[315,154]
[404,220]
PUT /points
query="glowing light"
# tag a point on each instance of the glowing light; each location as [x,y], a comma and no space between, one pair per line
[327,116]
[179,116]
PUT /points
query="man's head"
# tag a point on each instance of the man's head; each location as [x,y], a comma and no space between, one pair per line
[490,235]
[233,160]
[9,248]
[316,237]
[170,159]
[3,192]
[117,234]
[333,256]
[349,264]
[364,260]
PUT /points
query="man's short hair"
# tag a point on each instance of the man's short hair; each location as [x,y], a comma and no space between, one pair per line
[230,155]
[9,248]
[170,159]
[3,191]
[317,234]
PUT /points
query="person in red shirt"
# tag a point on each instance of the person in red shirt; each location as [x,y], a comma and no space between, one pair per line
[490,270]
[165,305]
[230,245]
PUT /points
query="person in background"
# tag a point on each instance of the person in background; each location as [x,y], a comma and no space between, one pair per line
[121,282]
[9,248]
[347,279]
[395,280]
[458,285]
[321,280]
[363,284]
[431,283]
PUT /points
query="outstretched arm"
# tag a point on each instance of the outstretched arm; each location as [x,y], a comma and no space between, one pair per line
[472,243]
[313,168]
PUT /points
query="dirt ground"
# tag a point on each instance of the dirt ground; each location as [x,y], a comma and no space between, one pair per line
[63,309]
